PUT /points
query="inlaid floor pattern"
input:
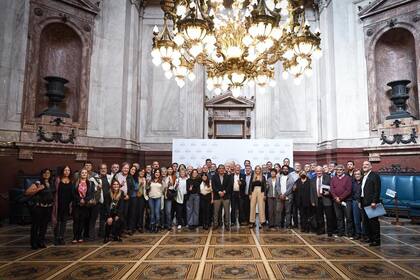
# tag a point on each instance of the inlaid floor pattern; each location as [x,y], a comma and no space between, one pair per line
[239,254]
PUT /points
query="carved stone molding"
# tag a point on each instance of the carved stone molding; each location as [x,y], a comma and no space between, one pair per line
[228,109]
[48,21]
[382,20]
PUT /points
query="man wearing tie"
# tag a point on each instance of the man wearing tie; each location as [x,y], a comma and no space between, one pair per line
[370,192]
[323,204]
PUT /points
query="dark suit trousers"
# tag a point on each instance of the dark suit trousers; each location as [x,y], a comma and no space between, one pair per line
[372,226]
[329,215]
[235,200]
[244,204]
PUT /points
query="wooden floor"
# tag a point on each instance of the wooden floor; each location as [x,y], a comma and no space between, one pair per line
[239,254]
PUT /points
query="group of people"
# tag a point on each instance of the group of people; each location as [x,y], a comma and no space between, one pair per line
[327,199]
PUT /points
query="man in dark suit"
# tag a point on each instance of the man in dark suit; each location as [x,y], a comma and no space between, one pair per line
[222,188]
[324,203]
[370,192]
[244,203]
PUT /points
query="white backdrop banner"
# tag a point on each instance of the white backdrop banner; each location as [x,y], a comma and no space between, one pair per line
[195,151]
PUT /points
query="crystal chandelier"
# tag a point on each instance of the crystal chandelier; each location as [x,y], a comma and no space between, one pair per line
[238,43]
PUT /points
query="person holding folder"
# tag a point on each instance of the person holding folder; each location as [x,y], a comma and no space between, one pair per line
[370,192]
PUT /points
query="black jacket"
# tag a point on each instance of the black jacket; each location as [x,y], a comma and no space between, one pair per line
[243,184]
[226,187]
[195,184]
[90,192]
[114,207]
[326,199]
[372,189]
[254,184]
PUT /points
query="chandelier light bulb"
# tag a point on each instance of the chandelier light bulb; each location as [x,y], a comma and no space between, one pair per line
[180,82]
[176,62]
[156,61]
[196,49]
[168,75]
[181,10]
[155,53]
[285,75]
[166,66]
[247,40]
[288,54]
[217,91]
[179,40]
[317,53]
[155,29]
[191,76]
[308,72]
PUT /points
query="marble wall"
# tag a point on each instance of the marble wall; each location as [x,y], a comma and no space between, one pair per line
[14,15]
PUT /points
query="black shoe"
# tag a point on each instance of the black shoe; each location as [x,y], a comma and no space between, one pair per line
[215,227]
[34,247]
[251,225]
[61,241]
[357,237]
[205,227]
[106,240]
[329,234]
[227,228]
[374,244]
[42,245]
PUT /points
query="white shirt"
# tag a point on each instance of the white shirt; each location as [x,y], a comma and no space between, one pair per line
[283,180]
[204,189]
[236,183]
[248,181]
[363,184]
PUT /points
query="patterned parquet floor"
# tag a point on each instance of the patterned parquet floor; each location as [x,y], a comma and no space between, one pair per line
[239,254]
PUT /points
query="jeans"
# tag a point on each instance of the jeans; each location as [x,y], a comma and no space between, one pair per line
[357,219]
[154,204]
[193,208]
[168,213]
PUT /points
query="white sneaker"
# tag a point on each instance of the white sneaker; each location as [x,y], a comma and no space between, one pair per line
[179,227]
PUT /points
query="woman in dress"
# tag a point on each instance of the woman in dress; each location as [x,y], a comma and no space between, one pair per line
[62,204]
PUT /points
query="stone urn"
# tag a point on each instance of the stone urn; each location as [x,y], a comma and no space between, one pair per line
[399,96]
[55,94]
